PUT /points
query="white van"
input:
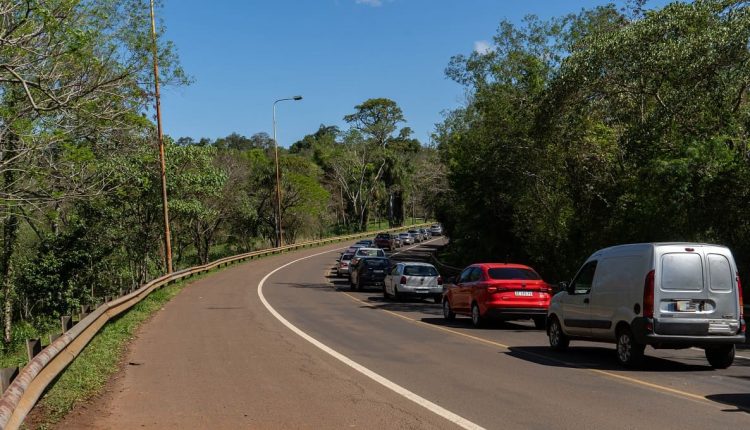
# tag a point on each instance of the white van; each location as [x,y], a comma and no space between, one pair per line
[667,295]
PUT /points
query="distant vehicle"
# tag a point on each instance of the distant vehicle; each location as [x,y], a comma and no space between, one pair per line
[425,233]
[415,280]
[365,242]
[385,241]
[436,230]
[417,235]
[667,295]
[397,240]
[406,238]
[369,271]
[498,291]
[364,252]
[342,268]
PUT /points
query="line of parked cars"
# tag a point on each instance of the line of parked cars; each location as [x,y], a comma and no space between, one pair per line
[666,295]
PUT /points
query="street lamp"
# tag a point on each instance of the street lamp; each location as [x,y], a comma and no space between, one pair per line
[279,238]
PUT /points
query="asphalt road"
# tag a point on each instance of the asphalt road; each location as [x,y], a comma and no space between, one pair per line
[217,357]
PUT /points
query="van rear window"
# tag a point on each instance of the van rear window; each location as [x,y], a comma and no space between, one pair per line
[720,273]
[682,271]
[513,273]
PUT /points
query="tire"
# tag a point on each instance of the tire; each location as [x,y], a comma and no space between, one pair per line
[629,352]
[558,340]
[720,357]
[386,296]
[438,298]
[448,313]
[352,285]
[396,295]
[540,322]
[476,317]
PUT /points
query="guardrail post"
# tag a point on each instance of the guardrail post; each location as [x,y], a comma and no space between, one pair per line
[122,292]
[67,322]
[7,375]
[54,337]
[33,347]
[107,299]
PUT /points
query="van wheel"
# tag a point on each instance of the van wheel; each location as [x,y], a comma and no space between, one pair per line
[540,322]
[720,357]
[476,316]
[629,352]
[448,313]
[557,339]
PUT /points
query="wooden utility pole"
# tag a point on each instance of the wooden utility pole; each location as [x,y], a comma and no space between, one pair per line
[163,165]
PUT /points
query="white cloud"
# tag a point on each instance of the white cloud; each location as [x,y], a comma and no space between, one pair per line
[482,47]
[373,3]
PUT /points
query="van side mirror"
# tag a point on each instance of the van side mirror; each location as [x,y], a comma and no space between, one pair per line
[563,286]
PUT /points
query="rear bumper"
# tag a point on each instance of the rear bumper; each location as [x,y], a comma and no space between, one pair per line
[515,313]
[643,331]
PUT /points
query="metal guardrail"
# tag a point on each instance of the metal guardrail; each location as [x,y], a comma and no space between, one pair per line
[26,389]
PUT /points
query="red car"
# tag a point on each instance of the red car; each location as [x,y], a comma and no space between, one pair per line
[497,291]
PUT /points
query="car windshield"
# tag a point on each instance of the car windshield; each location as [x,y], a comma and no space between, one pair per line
[420,271]
[347,257]
[377,263]
[513,273]
[371,253]
[384,236]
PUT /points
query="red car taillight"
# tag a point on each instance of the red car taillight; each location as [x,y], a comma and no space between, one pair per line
[403,280]
[440,280]
[648,296]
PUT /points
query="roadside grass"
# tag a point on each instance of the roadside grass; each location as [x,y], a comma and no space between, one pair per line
[89,372]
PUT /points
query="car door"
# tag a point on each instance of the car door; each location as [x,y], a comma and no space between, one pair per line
[475,286]
[461,291]
[576,302]
[393,277]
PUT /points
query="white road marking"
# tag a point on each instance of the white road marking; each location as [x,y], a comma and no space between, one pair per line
[421,401]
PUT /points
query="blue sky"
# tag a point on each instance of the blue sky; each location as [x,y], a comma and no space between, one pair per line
[244,55]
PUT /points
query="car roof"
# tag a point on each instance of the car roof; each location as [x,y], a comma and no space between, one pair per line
[415,263]
[501,266]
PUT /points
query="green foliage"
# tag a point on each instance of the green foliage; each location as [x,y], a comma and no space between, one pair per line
[601,128]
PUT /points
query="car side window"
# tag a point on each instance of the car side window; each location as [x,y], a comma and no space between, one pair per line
[584,279]
[476,275]
[394,271]
[465,275]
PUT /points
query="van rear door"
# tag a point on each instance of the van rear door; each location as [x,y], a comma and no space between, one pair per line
[696,291]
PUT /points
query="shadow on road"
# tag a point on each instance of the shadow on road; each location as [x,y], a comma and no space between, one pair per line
[740,401]
[602,358]
[465,322]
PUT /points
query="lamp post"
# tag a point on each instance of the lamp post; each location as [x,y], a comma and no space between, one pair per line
[279,237]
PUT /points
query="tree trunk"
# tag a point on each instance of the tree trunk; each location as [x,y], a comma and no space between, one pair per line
[10,237]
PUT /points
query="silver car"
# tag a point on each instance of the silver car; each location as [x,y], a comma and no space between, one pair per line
[406,238]
[413,279]
[342,267]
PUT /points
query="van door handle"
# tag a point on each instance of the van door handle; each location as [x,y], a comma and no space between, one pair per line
[586,300]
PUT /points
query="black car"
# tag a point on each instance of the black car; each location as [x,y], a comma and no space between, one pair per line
[370,271]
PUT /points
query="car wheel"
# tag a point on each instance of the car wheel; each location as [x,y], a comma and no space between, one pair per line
[386,296]
[557,339]
[629,352]
[476,316]
[438,298]
[540,322]
[720,357]
[352,285]
[396,294]
[448,313]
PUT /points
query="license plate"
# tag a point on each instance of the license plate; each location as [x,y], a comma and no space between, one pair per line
[524,293]
[422,291]
[685,306]
[377,271]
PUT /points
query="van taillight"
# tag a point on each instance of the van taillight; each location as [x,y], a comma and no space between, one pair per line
[403,280]
[648,296]
[739,291]
[440,280]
